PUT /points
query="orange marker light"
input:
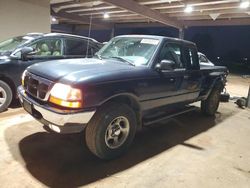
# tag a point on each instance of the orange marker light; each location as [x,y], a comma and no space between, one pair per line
[69,104]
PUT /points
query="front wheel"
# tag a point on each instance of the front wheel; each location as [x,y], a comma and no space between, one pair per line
[5,96]
[211,104]
[111,131]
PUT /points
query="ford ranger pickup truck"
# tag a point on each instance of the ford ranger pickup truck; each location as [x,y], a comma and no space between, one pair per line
[125,86]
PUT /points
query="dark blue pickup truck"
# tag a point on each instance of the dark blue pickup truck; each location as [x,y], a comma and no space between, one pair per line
[127,85]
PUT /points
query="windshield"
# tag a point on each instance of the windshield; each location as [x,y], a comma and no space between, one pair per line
[135,50]
[11,44]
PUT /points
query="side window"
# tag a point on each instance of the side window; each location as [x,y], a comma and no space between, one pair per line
[76,47]
[47,47]
[191,57]
[91,49]
[94,50]
[172,52]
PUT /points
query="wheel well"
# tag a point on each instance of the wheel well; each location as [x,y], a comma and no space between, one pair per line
[131,102]
[10,83]
[218,84]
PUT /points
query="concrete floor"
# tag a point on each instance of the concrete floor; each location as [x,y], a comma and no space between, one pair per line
[188,151]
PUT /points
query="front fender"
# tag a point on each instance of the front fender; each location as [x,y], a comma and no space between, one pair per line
[217,83]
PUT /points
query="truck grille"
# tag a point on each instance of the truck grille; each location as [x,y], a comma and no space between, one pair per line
[37,87]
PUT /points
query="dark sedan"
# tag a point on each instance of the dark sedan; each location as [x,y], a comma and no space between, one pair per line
[17,53]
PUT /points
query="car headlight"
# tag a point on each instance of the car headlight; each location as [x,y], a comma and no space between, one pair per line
[66,96]
[23,76]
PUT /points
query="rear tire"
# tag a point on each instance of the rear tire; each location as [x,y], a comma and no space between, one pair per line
[111,131]
[211,104]
[5,96]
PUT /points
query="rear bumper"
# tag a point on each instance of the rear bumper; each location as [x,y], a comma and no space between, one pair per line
[60,121]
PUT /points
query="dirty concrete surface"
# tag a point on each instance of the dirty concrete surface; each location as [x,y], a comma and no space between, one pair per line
[190,150]
[238,86]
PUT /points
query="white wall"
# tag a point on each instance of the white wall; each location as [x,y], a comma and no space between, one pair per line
[18,17]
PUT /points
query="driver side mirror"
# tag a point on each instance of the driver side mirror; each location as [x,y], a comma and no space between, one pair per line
[25,52]
[165,65]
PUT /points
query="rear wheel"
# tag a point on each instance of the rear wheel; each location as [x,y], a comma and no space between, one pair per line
[211,104]
[5,96]
[111,131]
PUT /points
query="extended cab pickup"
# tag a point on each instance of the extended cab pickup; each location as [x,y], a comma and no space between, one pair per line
[126,86]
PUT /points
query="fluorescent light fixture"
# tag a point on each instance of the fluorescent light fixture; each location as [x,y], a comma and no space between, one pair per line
[244,4]
[106,15]
[53,19]
[188,9]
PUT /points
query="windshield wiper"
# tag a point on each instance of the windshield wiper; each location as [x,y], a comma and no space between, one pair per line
[123,60]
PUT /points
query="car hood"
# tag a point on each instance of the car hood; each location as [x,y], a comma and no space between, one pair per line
[74,70]
[4,59]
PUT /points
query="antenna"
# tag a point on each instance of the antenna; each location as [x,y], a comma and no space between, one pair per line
[90,25]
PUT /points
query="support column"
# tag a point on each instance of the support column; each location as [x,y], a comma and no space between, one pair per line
[181,33]
[248,98]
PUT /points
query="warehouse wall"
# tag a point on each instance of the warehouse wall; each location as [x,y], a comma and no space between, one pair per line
[18,17]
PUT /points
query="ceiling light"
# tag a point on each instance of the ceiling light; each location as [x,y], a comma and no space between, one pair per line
[188,9]
[106,15]
[53,19]
[244,4]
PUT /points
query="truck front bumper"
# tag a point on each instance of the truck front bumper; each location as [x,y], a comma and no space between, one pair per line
[60,121]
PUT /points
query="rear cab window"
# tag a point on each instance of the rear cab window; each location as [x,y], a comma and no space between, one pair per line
[191,57]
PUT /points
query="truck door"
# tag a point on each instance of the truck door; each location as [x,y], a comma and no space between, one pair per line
[168,85]
[193,76]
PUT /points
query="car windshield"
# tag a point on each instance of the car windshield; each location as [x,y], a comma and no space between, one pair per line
[11,44]
[137,51]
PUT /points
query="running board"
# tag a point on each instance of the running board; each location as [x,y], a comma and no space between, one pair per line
[152,120]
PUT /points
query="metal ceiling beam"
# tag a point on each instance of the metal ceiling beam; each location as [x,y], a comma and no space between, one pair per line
[133,6]
[221,12]
[207,17]
[219,22]
[79,19]
[57,5]
[101,13]
[202,8]
[193,3]
[84,8]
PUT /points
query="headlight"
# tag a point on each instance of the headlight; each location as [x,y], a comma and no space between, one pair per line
[23,76]
[65,95]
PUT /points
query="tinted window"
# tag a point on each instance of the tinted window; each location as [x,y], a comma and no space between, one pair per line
[191,57]
[172,52]
[47,47]
[76,47]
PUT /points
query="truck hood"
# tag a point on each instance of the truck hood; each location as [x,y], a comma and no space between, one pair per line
[77,69]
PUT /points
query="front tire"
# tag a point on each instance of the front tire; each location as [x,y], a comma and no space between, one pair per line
[111,131]
[5,96]
[211,104]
